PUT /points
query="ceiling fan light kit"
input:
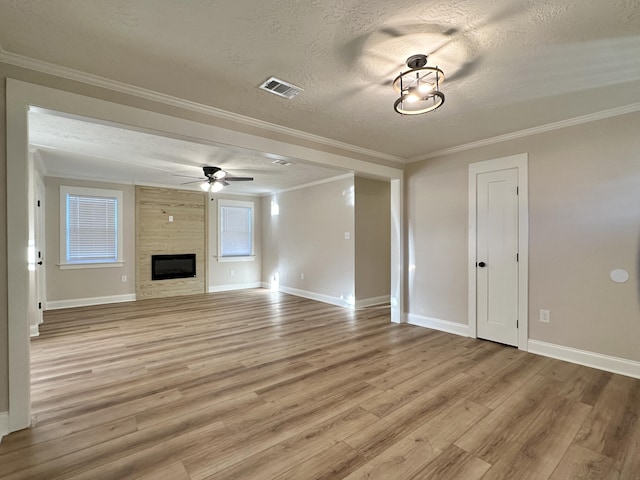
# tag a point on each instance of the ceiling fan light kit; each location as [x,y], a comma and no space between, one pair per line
[419,87]
[216,179]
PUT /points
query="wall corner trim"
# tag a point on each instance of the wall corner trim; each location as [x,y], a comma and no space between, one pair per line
[438,324]
[622,366]
[234,286]
[4,424]
[319,297]
[549,127]
[370,302]
[85,302]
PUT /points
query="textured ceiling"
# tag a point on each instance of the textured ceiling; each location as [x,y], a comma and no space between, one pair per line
[78,148]
[510,64]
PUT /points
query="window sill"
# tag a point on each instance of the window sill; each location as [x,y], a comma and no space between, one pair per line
[77,266]
[249,258]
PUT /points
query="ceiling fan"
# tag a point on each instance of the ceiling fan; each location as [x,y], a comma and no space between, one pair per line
[215,179]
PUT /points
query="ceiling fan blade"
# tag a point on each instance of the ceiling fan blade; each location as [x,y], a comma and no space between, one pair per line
[238,179]
[195,181]
[186,176]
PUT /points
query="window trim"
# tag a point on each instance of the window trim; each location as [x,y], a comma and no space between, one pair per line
[235,203]
[89,192]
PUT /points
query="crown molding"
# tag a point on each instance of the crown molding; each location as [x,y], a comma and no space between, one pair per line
[98,81]
[591,117]
[310,184]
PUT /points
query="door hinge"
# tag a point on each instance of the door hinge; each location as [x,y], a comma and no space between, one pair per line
[517,190]
[517,257]
[517,323]
[38,202]
[39,305]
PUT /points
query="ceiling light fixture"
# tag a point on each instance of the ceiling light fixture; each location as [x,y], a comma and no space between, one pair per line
[419,87]
[213,185]
[216,179]
[216,186]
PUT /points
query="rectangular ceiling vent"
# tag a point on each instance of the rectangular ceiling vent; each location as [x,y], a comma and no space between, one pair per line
[284,163]
[281,88]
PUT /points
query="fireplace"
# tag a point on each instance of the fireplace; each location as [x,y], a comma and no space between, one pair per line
[164,267]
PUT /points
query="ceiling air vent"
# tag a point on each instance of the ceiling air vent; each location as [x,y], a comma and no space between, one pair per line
[284,163]
[281,88]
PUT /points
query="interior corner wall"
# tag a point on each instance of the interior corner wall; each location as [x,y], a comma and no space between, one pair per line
[233,275]
[584,222]
[4,314]
[372,240]
[304,244]
[86,283]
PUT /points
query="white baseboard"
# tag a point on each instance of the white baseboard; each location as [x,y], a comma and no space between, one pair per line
[85,302]
[34,331]
[600,361]
[233,286]
[4,424]
[370,302]
[437,324]
[340,302]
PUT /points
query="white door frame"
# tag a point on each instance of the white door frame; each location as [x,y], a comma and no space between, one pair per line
[21,96]
[520,162]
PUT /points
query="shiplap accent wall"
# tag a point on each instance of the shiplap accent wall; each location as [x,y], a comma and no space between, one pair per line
[156,235]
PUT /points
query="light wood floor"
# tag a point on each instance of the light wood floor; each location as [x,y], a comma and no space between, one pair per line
[257,385]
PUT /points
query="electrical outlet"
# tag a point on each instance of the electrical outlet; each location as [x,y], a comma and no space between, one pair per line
[302,276]
[124,279]
[347,235]
[232,273]
[545,316]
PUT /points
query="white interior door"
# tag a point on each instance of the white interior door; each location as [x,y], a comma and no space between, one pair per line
[497,256]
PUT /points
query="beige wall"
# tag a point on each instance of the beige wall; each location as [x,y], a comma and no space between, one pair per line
[308,237]
[244,273]
[584,204]
[90,282]
[372,239]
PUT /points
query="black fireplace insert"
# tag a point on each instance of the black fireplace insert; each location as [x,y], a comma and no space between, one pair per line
[164,267]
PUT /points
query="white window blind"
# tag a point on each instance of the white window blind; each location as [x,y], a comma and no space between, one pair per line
[235,231]
[92,229]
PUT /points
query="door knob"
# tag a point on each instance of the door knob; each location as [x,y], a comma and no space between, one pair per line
[40,262]
[482,264]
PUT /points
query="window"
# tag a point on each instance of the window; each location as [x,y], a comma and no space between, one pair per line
[90,227]
[235,230]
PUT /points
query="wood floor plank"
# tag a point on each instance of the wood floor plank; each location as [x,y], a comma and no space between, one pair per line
[543,444]
[583,464]
[334,462]
[260,385]
[277,459]
[173,471]
[615,420]
[454,464]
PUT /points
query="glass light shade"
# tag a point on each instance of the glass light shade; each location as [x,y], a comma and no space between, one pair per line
[216,186]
